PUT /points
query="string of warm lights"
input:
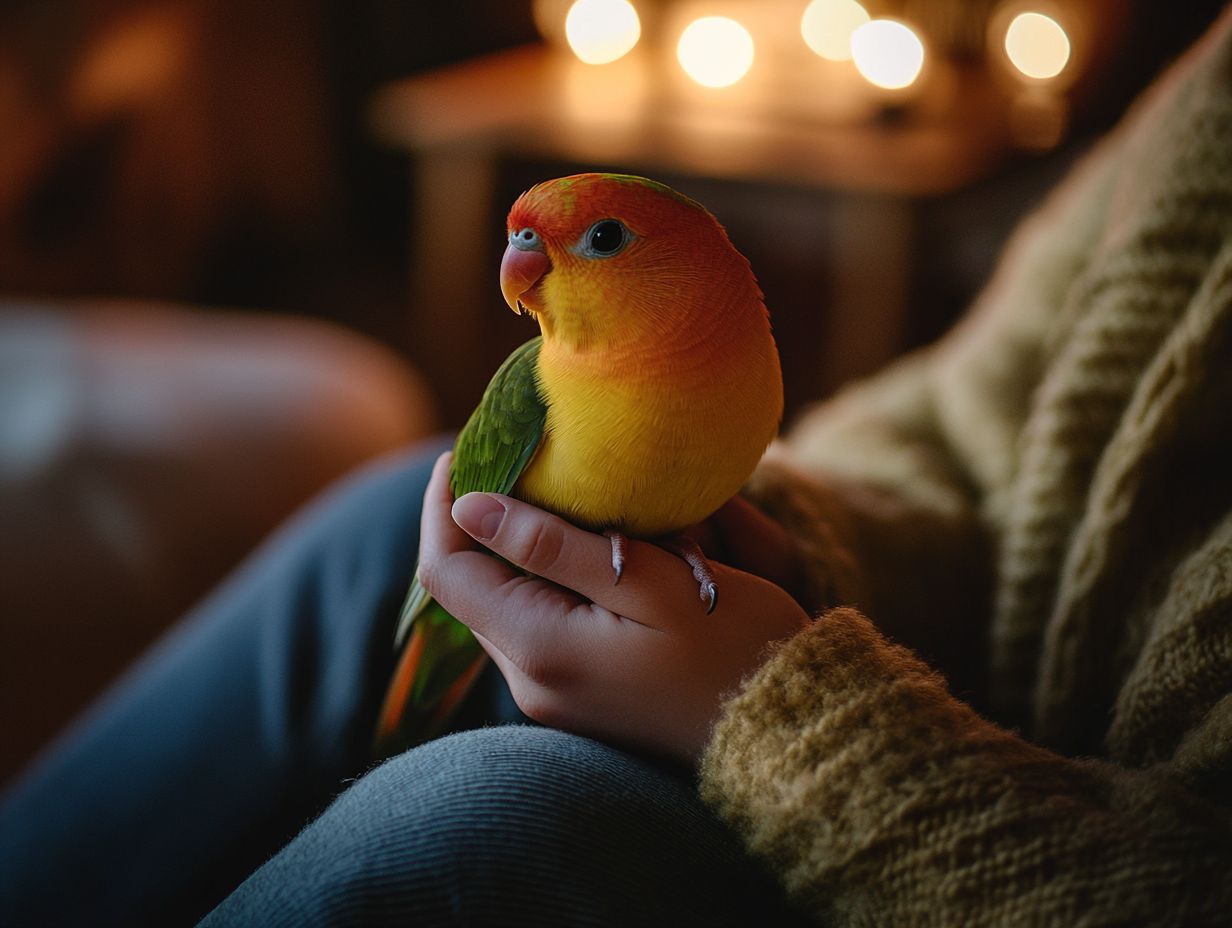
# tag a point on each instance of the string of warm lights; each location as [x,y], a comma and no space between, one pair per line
[1037,45]
[602,31]
[718,51]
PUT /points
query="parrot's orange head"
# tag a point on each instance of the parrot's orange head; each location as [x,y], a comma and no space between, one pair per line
[601,259]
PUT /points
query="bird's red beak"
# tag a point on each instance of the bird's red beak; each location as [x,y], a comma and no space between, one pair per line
[523,266]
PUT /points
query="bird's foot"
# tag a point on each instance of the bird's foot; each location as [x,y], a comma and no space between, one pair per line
[691,553]
[620,544]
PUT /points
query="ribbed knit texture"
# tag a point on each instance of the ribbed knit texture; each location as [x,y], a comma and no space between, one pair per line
[1081,420]
[881,800]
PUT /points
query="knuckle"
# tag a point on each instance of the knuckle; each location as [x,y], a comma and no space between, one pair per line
[430,575]
[539,547]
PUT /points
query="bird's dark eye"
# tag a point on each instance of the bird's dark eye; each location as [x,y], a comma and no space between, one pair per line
[605,238]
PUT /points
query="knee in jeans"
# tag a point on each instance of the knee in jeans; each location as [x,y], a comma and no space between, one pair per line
[495,795]
[482,819]
[517,825]
[475,779]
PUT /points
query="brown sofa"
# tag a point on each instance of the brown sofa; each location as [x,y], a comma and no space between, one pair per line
[144,449]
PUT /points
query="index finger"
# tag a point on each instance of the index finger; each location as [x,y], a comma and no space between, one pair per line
[447,555]
[525,618]
[655,588]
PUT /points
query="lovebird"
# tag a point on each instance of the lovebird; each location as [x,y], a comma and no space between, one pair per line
[644,404]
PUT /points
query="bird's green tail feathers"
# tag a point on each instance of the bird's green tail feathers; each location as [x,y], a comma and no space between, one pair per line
[417,600]
[436,669]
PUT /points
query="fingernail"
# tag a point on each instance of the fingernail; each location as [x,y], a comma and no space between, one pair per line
[479,515]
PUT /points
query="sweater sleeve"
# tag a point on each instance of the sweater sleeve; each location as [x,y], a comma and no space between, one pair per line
[882,800]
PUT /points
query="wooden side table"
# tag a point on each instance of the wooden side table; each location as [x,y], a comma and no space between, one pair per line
[537,103]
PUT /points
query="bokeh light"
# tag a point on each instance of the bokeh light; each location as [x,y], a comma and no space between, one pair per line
[887,53]
[827,27]
[715,51]
[1037,45]
[601,31]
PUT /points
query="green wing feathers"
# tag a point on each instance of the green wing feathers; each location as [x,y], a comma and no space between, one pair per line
[503,432]
[493,447]
[442,658]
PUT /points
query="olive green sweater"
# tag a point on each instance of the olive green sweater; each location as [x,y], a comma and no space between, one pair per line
[1040,505]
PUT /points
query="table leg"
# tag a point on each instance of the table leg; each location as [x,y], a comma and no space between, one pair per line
[452,283]
[869,265]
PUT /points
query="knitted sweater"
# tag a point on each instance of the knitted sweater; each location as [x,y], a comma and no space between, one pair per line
[1041,506]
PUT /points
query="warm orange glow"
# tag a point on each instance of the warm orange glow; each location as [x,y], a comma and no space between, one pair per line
[828,25]
[139,58]
[601,31]
[1037,45]
[887,53]
[611,97]
[550,19]
[715,51]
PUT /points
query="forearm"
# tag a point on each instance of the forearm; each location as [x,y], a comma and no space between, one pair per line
[880,799]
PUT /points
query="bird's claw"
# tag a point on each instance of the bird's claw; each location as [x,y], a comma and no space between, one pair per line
[683,547]
[691,553]
[619,544]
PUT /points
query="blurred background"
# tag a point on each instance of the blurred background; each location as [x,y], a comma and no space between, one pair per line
[246,246]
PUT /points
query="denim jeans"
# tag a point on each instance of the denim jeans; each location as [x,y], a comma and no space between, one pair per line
[187,787]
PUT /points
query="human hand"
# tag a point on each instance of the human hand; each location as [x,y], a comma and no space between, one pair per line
[638,663]
[742,536]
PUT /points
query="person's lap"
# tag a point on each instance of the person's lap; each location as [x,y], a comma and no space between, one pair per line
[245,721]
[510,825]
